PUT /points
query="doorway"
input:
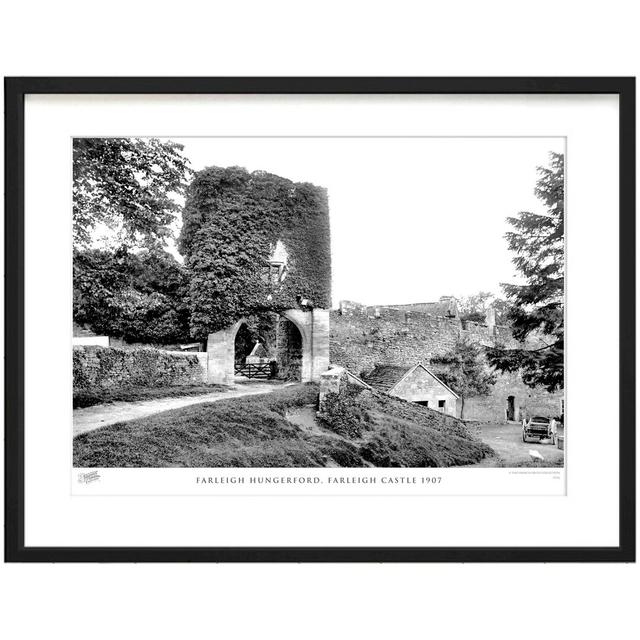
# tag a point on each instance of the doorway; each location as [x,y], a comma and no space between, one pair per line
[243,344]
[289,351]
[511,408]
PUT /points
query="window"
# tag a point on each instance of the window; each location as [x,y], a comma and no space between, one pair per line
[424,403]
[275,273]
[442,404]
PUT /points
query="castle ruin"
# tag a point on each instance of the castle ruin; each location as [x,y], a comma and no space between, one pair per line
[363,337]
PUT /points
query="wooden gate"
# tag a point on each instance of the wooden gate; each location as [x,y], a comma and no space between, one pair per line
[260,371]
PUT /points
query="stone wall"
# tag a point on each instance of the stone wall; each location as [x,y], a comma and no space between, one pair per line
[334,381]
[104,368]
[363,336]
[527,401]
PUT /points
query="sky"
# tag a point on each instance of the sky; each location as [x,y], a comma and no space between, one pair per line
[412,219]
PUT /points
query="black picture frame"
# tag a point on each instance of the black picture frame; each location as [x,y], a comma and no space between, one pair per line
[15,91]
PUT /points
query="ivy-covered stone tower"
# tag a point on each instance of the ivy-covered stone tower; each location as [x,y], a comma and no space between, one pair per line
[257,246]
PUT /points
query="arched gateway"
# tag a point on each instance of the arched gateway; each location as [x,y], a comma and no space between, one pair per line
[259,244]
[313,326]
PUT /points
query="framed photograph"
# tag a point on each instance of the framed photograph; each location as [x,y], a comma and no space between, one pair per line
[320,319]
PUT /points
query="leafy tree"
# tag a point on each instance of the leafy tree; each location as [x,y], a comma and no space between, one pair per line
[128,185]
[464,369]
[537,311]
[475,307]
[140,297]
[502,308]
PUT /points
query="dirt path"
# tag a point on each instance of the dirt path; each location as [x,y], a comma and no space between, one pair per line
[506,441]
[101,415]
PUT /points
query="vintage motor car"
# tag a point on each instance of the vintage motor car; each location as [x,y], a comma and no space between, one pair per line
[539,427]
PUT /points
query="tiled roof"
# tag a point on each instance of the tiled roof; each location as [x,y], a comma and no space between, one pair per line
[384,376]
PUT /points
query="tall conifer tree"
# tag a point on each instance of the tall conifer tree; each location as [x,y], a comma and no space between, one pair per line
[538,304]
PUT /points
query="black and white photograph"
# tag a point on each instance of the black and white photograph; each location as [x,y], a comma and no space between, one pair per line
[261,324]
[320,320]
[306,302]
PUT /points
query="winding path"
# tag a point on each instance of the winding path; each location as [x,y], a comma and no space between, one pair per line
[102,415]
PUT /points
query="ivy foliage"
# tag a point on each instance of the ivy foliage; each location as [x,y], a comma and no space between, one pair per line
[99,368]
[139,297]
[232,221]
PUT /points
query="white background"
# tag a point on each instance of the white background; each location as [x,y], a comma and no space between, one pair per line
[401,38]
[404,224]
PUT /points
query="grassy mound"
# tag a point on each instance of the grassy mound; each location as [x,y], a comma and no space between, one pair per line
[254,431]
[396,433]
[243,432]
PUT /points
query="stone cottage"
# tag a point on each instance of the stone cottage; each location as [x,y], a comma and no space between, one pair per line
[416,384]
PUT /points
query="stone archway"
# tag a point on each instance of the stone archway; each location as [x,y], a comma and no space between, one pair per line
[313,326]
[221,354]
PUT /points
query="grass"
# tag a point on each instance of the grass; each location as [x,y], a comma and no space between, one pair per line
[243,432]
[253,431]
[131,394]
[397,433]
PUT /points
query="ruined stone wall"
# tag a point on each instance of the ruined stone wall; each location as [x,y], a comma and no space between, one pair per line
[363,336]
[527,401]
[102,368]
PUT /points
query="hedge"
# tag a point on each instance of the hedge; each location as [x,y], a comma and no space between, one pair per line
[110,368]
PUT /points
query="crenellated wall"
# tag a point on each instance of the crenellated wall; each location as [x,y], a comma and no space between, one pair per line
[361,338]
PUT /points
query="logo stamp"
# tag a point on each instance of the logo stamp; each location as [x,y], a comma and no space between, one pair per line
[89,476]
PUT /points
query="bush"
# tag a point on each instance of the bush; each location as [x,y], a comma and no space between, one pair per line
[140,297]
[341,414]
